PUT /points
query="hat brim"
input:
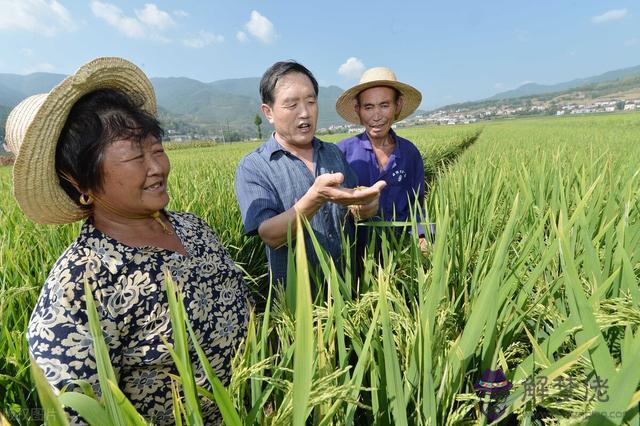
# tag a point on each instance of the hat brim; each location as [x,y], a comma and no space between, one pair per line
[36,185]
[345,105]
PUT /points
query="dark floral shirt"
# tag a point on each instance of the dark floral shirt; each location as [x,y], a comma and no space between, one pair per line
[128,286]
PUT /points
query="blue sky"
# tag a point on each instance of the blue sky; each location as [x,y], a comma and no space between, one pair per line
[451,51]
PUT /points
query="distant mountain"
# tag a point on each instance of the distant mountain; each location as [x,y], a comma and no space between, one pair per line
[14,87]
[327,106]
[4,113]
[229,104]
[205,103]
[249,87]
[531,89]
[627,87]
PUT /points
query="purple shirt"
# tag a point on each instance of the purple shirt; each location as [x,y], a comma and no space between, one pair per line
[404,174]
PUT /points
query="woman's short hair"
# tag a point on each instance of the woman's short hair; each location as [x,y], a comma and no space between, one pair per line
[95,121]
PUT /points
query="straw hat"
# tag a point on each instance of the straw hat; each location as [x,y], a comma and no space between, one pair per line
[34,126]
[375,77]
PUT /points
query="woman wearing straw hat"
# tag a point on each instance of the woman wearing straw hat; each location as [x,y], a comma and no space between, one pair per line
[378,101]
[91,149]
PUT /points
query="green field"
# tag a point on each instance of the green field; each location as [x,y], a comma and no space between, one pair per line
[534,269]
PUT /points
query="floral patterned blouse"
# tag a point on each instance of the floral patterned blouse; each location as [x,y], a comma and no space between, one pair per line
[128,286]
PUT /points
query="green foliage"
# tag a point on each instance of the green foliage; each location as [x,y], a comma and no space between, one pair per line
[534,269]
[258,122]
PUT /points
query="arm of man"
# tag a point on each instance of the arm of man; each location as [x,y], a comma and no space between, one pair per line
[326,188]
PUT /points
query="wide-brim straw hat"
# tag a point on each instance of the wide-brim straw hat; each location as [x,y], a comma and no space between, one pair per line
[374,77]
[34,126]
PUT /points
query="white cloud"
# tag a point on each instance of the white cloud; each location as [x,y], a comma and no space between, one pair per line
[45,17]
[41,67]
[113,16]
[241,36]
[150,22]
[632,42]
[611,15]
[25,51]
[154,17]
[203,39]
[352,68]
[499,86]
[180,13]
[261,28]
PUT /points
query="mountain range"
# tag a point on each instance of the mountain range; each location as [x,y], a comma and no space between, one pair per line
[531,89]
[231,105]
[185,103]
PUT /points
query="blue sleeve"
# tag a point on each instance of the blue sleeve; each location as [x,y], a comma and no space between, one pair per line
[257,199]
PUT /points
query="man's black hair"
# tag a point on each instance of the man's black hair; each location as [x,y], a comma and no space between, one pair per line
[275,72]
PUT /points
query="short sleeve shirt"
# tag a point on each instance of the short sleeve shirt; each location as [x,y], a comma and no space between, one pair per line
[270,180]
[128,284]
[404,173]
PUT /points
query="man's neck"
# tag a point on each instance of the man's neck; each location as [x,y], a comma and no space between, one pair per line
[297,150]
[382,142]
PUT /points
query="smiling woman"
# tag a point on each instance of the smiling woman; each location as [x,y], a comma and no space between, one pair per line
[91,148]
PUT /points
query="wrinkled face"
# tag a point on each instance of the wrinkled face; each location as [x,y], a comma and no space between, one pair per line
[135,176]
[294,113]
[377,108]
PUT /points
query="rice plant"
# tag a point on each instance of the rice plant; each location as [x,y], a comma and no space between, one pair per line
[534,269]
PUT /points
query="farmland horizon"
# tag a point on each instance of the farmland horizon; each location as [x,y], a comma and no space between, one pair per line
[452,53]
[524,89]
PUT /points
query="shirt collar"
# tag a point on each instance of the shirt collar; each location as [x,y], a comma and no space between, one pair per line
[272,146]
[365,143]
[88,230]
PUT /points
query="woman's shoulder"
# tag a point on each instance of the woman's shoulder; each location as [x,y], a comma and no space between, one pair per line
[192,225]
[188,220]
[90,256]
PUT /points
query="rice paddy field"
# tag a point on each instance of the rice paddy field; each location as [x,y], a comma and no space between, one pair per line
[533,270]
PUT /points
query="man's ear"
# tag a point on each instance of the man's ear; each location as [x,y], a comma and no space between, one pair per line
[399,104]
[356,108]
[268,112]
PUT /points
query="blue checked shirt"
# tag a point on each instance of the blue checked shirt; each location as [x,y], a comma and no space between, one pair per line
[270,180]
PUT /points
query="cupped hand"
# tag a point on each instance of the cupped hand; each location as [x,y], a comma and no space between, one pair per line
[327,187]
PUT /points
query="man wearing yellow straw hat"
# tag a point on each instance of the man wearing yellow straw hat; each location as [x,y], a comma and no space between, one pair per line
[378,154]
[91,149]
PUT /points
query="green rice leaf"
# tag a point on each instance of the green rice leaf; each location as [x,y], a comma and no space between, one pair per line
[303,368]
[50,404]
[87,407]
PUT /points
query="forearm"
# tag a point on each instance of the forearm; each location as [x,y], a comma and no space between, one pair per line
[274,231]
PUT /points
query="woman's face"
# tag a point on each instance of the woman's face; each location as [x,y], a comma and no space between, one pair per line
[135,176]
